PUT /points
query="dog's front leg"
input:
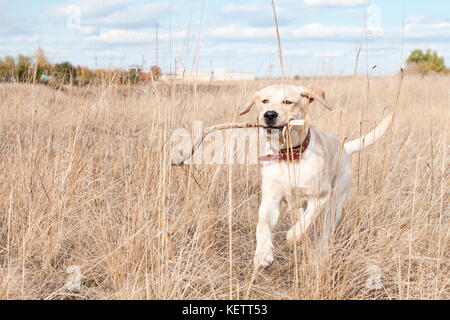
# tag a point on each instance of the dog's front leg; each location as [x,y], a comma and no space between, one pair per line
[313,207]
[267,219]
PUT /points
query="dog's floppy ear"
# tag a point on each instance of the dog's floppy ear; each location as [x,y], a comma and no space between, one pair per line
[250,104]
[310,94]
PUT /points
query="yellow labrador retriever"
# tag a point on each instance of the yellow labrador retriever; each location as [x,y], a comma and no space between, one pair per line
[313,174]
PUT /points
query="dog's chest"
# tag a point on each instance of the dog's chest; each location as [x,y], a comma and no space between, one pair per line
[305,175]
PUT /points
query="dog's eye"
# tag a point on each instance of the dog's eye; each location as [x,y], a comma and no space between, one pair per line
[287,102]
[265,101]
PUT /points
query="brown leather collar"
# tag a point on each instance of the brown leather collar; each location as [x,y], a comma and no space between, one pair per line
[285,154]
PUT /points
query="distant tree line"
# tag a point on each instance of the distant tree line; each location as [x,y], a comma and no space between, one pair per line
[426,62]
[38,69]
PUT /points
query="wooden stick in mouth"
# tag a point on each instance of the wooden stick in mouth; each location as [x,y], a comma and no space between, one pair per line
[181,160]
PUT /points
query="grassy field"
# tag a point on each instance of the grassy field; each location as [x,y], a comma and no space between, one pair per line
[85,180]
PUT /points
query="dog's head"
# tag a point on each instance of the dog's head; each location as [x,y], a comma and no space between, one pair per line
[279,104]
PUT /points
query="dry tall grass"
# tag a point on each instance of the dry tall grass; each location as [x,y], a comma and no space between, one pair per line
[85,179]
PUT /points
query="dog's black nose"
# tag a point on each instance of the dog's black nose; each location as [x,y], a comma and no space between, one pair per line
[270,116]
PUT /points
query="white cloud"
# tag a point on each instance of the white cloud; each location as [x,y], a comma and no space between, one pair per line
[21,39]
[118,36]
[329,54]
[108,54]
[233,50]
[415,19]
[257,14]
[273,50]
[320,31]
[121,36]
[241,8]
[88,31]
[88,8]
[57,55]
[254,51]
[295,52]
[437,32]
[333,3]
[312,31]
[232,32]
[132,16]
[112,13]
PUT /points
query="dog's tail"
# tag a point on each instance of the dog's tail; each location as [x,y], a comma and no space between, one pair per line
[365,141]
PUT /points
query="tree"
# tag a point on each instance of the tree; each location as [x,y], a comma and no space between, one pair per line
[7,68]
[42,65]
[24,68]
[426,62]
[10,66]
[132,74]
[156,72]
[84,75]
[65,72]
[40,57]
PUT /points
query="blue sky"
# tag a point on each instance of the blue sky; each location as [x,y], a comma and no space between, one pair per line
[317,36]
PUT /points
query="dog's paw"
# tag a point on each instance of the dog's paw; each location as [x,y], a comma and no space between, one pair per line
[263,259]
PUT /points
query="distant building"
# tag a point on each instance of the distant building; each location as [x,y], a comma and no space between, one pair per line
[133,68]
[224,75]
[217,75]
[187,76]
